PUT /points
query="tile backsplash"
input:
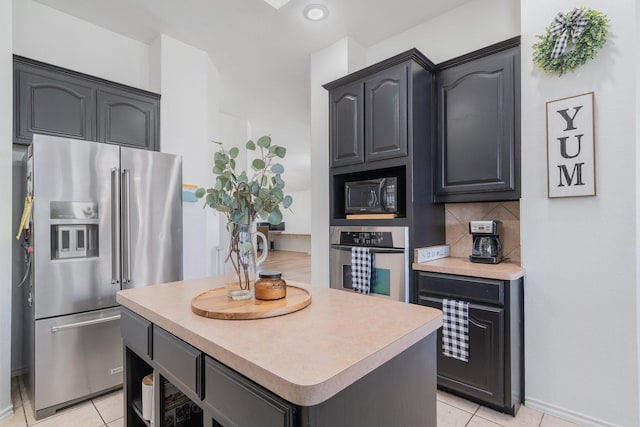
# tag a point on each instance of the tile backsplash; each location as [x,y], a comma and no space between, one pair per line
[458,215]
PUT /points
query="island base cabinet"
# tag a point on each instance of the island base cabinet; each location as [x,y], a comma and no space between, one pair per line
[193,389]
[137,369]
[136,334]
[176,408]
[233,400]
[381,397]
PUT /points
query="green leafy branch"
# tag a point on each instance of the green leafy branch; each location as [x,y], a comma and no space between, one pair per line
[241,198]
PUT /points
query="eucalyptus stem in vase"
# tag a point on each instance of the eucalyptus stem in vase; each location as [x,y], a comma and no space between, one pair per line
[243,199]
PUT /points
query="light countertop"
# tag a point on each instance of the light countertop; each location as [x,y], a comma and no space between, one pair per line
[464,267]
[305,357]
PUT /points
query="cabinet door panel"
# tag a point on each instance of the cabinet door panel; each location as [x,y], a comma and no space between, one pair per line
[51,104]
[478,132]
[137,333]
[229,395]
[482,377]
[346,116]
[127,119]
[181,362]
[386,114]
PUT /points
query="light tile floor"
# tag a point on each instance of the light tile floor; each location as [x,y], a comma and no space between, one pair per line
[102,411]
[107,411]
[454,411]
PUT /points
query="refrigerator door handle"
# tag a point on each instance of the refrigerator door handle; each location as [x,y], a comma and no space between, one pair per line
[115,228]
[85,323]
[126,227]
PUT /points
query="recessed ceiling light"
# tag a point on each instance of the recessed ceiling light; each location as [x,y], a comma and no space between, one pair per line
[315,12]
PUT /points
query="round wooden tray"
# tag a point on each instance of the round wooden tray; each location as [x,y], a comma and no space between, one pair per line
[215,304]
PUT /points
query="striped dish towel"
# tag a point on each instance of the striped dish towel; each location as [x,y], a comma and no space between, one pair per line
[361,268]
[455,329]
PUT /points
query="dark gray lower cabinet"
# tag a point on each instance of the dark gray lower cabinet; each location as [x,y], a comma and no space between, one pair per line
[193,389]
[494,373]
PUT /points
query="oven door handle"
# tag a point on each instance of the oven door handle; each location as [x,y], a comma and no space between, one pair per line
[373,250]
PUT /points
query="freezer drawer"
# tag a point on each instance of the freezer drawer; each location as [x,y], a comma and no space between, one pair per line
[76,356]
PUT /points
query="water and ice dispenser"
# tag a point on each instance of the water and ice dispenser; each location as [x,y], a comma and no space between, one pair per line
[74,230]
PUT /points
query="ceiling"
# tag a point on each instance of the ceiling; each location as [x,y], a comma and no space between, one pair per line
[261,53]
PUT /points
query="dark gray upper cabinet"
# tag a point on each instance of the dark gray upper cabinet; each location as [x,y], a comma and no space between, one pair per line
[127,119]
[382,125]
[50,103]
[478,148]
[369,111]
[56,101]
[346,107]
[386,114]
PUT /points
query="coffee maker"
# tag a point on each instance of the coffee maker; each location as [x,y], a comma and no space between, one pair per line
[487,248]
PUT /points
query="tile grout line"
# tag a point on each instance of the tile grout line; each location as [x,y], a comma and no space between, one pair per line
[456,407]
[104,423]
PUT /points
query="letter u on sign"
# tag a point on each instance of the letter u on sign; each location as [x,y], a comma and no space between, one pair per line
[571,165]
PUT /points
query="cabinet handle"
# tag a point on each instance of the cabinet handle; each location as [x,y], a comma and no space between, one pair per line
[115,226]
[126,226]
[85,323]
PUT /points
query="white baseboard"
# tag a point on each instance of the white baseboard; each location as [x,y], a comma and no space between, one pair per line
[6,413]
[575,417]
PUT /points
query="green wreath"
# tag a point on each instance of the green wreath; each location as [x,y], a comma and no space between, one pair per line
[578,52]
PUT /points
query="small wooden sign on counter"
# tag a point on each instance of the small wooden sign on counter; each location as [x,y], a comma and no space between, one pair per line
[215,304]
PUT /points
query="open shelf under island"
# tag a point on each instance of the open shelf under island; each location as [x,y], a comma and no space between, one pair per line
[345,360]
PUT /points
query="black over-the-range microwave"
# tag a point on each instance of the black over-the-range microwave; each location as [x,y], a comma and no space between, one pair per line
[379,195]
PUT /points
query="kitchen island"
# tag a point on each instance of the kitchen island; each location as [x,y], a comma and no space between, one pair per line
[345,360]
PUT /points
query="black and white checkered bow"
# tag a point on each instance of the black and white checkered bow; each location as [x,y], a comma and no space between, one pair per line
[573,26]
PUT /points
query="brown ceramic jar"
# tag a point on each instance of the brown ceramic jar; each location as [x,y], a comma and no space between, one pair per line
[270,286]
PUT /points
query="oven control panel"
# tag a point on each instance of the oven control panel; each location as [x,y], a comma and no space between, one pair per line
[380,239]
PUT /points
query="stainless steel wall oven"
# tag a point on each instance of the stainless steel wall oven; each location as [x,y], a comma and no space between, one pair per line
[390,246]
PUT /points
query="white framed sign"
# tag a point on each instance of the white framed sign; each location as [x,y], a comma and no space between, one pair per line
[571,165]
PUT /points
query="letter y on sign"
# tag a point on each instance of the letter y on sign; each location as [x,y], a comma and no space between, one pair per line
[571,166]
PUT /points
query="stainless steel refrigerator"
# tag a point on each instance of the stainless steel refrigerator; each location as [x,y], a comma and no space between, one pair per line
[104,218]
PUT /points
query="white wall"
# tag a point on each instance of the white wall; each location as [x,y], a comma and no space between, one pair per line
[6,136]
[48,35]
[469,27]
[185,76]
[298,218]
[579,254]
[326,65]
[287,132]
[637,206]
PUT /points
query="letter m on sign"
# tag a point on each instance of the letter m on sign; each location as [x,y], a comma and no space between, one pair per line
[571,147]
